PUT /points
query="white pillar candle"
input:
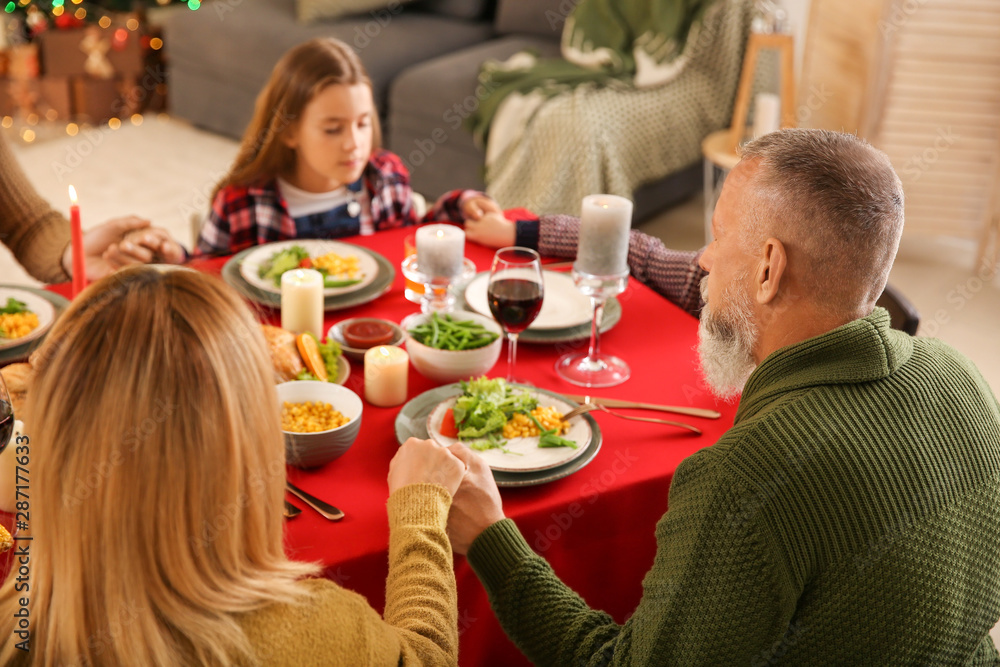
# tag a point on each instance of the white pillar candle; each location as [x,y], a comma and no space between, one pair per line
[387,368]
[302,302]
[766,114]
[440,250]
[604,229]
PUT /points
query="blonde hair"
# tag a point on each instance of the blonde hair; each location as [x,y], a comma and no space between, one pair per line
[300,75]
[156,475]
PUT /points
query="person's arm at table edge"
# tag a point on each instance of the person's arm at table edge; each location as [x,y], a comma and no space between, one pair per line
[725,615]
[673,273]
[36,234]
[421,601]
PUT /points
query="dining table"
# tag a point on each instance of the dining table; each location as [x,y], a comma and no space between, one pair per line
[595,527]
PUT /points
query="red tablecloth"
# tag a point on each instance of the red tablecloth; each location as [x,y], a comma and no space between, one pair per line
[595,527]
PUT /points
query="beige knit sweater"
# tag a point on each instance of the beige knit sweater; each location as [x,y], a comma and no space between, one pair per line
[338,627]
[34,232]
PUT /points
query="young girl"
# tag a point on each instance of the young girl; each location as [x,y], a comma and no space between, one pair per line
[310,165]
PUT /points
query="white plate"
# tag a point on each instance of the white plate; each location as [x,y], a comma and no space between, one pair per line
[315,247]
[45,310]
[532,456]
[563,305]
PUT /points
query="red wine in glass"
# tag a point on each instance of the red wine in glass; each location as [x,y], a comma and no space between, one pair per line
[515,291]
[6,416]
[6,423]
[515,303]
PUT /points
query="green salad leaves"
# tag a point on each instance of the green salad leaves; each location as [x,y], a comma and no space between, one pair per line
[282,261]
[297,257]
[485,406]
[14,307]
[330,350]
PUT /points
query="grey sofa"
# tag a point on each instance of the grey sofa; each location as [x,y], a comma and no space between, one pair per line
[423,58]
[220,56]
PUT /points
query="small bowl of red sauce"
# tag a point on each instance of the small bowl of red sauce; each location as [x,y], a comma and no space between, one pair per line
[359,334]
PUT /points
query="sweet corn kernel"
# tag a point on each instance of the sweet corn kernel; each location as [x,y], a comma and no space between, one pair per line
[16,325]
[310,417]
[342,268]
[521,426]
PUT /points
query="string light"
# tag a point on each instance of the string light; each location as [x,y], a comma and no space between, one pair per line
[80,13]
[115,123]
[136,119]
[105,21]
[72,129]
[156,43]
[7,121]
[132,24]
[28,136]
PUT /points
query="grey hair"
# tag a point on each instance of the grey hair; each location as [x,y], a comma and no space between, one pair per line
[838,202]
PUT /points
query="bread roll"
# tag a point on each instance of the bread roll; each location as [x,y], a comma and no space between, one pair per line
[285,356]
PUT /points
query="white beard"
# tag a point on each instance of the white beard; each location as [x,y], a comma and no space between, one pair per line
[725,342]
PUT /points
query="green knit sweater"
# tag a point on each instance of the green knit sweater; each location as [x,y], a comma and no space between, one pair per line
[850,516]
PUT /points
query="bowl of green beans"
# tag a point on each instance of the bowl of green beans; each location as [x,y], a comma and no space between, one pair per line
[452,346]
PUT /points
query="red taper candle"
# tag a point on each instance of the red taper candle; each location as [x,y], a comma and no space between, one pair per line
[79,264]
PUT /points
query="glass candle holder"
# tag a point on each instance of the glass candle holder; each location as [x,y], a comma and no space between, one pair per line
[438,296]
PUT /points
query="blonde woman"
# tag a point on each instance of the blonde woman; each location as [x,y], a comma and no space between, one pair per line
[156,485]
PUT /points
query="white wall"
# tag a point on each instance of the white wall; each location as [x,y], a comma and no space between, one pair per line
[798,16]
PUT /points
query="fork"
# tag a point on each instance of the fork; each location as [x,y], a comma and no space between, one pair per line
[588,407]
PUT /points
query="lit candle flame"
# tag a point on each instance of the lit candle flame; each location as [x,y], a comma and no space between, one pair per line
[72,194]
[384,351]
[440,233]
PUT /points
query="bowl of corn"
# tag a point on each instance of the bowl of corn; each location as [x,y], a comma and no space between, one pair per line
[320,421]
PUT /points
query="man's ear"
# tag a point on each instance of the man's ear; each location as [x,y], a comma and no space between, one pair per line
[770,271]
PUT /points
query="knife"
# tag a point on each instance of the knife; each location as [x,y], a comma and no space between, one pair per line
[325,509]
[616,403]
[291,511]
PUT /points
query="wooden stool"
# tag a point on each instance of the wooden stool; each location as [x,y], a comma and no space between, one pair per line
[720,149]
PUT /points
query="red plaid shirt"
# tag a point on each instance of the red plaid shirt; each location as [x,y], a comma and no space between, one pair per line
[244,216]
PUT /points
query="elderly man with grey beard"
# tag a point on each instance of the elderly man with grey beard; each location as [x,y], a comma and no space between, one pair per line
[851,514]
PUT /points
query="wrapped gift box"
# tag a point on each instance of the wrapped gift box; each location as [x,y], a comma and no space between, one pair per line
[61,54]
[96,100]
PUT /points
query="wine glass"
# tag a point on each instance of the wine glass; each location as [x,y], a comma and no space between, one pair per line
[515,294]
[6,415]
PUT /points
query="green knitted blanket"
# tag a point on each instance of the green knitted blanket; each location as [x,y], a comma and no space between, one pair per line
[638,43]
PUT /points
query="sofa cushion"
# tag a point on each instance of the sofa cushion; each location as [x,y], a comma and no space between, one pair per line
[428,104]
[534,17]
[312,10]
[237,47]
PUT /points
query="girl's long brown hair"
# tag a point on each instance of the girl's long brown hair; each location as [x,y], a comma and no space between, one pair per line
[156,478]
[300,75]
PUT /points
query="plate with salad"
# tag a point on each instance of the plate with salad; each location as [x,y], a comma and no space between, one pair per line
[516,429]
[24,317]
[345,267]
